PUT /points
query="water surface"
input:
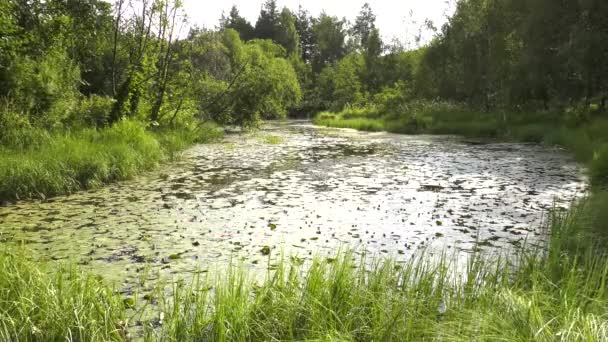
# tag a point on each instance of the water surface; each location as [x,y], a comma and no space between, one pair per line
[318,190]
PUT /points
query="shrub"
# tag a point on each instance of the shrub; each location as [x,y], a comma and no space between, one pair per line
[16,131]
[92,111]
[531,133]
[599,167]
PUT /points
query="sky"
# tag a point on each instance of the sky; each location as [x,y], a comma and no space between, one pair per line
[392,16]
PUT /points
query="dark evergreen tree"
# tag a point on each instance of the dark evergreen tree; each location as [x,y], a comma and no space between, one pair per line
[268,22]
[365,23]
[304,26]
[239,24]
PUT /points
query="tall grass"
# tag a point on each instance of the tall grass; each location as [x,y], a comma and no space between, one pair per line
[537,295]
[70,161]
[359,122]
[37,304]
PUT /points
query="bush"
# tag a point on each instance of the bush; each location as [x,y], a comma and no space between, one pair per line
[599,167]
[326,116]
[16,131]
[46,88]
[92,111]
[531,133]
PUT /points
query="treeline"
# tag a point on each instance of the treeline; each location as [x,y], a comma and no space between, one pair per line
[491,55]
[543,54]
[70,63]
[66,63]
[338,62]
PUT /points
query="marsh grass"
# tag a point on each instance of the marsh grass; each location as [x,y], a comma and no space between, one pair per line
[272,140]
[348,120]
[543,295]
[86,159]
[40,304]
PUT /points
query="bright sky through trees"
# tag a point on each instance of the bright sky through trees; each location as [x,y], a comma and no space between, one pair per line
[394,17]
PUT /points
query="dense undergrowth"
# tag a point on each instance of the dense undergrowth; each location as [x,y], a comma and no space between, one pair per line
[37,164]
[545,296]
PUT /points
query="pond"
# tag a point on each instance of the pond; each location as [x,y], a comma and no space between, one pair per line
[311,192]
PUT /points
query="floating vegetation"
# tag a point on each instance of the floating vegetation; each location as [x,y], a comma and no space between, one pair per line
[273,140]
[432,188]
[317,192]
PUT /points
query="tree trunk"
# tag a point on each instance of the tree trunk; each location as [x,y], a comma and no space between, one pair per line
[115,47]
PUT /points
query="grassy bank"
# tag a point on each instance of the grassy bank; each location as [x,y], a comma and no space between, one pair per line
[37,164]
[543,297]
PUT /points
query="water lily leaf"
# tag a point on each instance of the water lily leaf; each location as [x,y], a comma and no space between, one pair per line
[129,302]
[265,250]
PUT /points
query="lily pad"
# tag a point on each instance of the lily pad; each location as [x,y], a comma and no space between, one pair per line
[265,250]
[129,302]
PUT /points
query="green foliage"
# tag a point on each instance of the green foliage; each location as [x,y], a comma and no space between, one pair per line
[509,53]
[16,131]
[266,86]
[329,35]
[239,24]
[288,35]
[273,140]
[89,158]
[268,22]
[175,139]
[365,119]
[92,111]
[599,166]
[46,88]
[347,86]
[364,26]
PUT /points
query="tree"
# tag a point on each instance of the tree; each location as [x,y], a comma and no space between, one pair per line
[364,26]
[287,34]
[329,35]
[236,22]
[170,14]
[304,26]
[347,83]
[9,43]
[268,22]
[373,68]
[266,87]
